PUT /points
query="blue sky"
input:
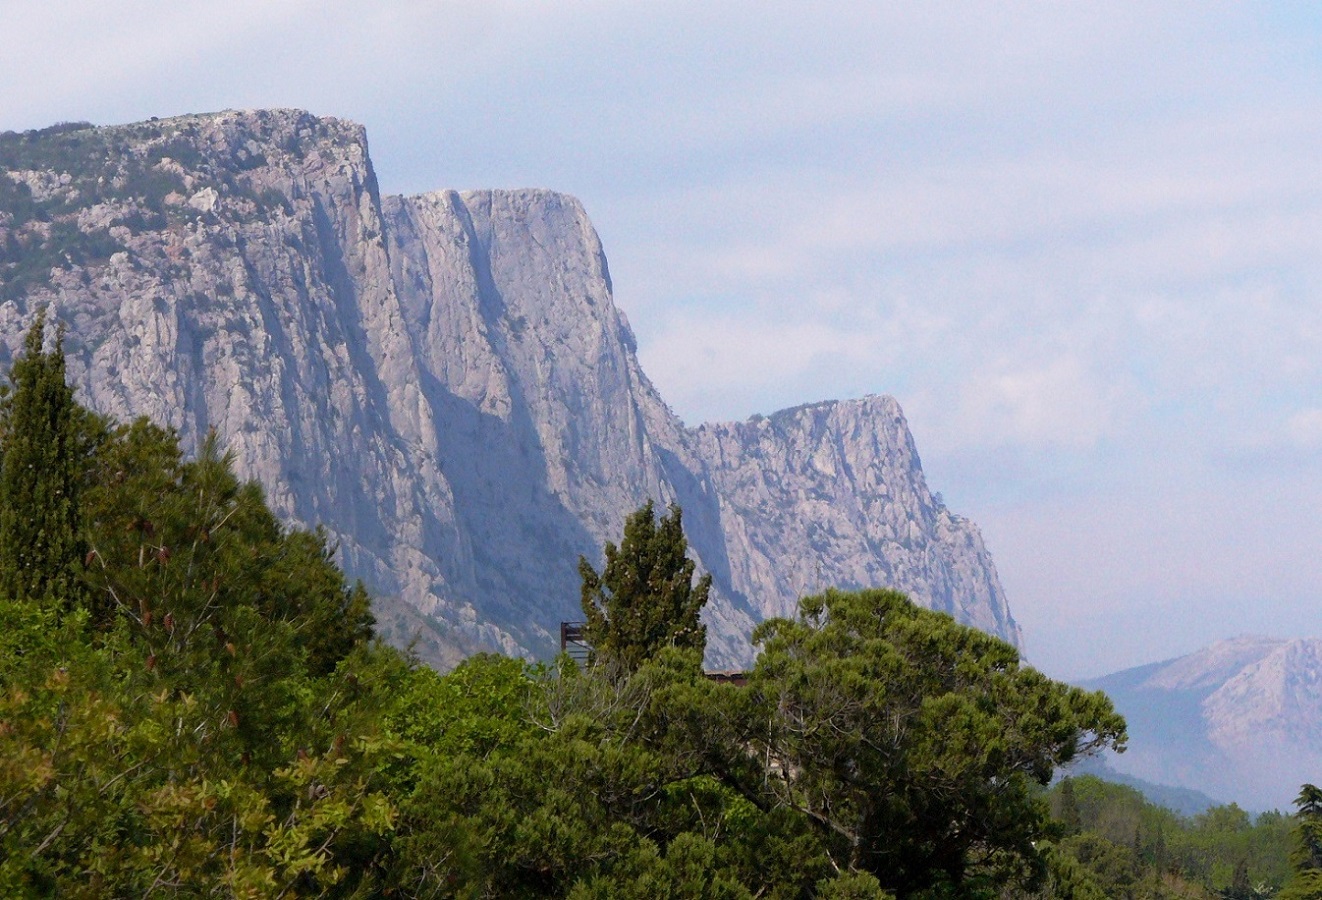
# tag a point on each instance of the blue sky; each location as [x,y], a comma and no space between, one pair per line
[1082,246]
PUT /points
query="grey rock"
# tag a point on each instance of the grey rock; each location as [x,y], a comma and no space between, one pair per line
[445,383]
[1241,719]
[833,495]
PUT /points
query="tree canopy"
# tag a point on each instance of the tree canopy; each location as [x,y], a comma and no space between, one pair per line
[913,744]
[1122,845]
[179,708]
[196,706]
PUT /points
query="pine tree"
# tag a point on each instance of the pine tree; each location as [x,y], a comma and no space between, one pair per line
[40,546]
[644,599]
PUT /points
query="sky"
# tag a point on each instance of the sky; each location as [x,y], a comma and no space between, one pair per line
[1080,244]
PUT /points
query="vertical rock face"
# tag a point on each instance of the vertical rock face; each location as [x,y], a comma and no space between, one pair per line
[549,430]
[443,381]
[833,494]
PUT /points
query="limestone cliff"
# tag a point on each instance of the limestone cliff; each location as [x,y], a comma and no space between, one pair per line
[833,494]
[444,381]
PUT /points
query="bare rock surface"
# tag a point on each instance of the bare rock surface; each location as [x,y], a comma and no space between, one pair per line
[443,381]
[833,495]
[1241,719]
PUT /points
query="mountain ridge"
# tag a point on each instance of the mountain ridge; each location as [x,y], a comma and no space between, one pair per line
[1240,719]
[444,381]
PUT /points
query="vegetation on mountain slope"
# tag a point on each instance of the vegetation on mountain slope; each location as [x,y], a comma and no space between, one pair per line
[1125,846]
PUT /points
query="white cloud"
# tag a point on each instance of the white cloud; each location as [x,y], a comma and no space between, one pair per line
[1059,404]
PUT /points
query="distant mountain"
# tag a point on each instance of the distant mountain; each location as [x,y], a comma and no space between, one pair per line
[1241,719]
[444,381]
[1185,801]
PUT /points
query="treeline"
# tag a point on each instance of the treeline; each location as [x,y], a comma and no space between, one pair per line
[192,703]
[1128,847]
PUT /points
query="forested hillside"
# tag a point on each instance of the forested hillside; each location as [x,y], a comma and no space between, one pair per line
[1129,847]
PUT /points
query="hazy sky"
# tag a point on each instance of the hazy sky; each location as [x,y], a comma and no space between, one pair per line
[1082,246]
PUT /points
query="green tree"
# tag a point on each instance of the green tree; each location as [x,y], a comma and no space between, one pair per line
[1114,868]
[644,599]
[1216,852]
[1306,883]
[740,768]
[186,554]
[1067,807]
[915,746]
[549,783]
[40,466]
[218,731]
[1240,886]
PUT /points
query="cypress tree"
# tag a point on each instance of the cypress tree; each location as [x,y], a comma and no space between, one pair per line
[40,546]
[645,598]
[1306,884]
[1069,808]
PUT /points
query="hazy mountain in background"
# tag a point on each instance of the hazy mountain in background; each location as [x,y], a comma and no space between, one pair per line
[443,381]
[1185,801]
[1239,720]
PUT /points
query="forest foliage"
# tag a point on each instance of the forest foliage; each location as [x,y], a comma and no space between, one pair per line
[192,703]
[1124,846]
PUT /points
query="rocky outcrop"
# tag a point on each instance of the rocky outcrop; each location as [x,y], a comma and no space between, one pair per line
[1241,719]
[443,381]
[836,490]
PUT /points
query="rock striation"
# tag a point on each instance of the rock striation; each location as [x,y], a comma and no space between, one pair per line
[832,494]
[1241,719]
[443,381]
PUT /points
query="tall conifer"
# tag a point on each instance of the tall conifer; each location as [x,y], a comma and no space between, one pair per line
[645,598]
[1307,856]
[40,548]
[1069,808]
